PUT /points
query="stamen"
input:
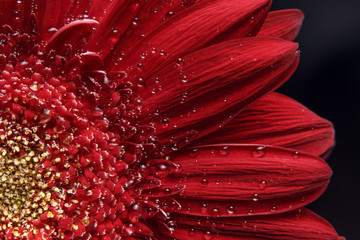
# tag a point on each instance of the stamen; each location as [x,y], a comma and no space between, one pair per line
[24,194]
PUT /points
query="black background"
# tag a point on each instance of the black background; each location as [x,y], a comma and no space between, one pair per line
[327,82]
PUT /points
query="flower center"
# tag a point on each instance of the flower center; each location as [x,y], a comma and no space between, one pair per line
[24,195]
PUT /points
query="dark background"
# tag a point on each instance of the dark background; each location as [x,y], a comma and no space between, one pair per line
[327,82]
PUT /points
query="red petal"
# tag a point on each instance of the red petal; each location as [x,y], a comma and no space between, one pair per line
[328,151]
[300,224]
[72,33]
[220,81]
[123,29]
[113,25]
[238,180]
[99,8]
[280,121]
[50,15]
[11,13]
[194,28]
[283,24]
[241,30]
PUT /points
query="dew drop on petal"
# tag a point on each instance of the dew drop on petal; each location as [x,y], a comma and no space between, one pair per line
[215,212]
[207,235]
[115,34]
[252,20]
[273,209]
[204,208]
[296,154]
[299,213]
[224,151]
[259,151]
[191,232]
[231,209]
[245,224]
[135,21]
[256,197]
[165,122]
[140,65]
[262,184]
[167,191]
[204,182]
[194,152]
[184,80]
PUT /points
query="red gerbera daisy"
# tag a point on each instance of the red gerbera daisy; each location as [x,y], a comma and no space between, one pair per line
[134,119]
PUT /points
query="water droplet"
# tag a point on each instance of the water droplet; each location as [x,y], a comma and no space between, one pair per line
[252,20]
[262,184]
[273,209]
[180,61]
[136,207]
[141,82]
[165,122]
[204,208]
[167,191]
[296,155]
[184,97]
[134,22]
[194,152]
[245,224]
[114,36]
[204,182]
[140,65]
[192,232]
[217,181]
[184,79]
[259,151]
[256,197]
[215,212]
[299,213]
[170,13]
[224,151]
[231,209]
[251,212]
[207,236]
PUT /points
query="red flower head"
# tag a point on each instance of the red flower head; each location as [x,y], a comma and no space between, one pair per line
[132,119]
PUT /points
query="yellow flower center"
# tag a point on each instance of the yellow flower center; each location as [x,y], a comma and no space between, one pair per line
[24,194]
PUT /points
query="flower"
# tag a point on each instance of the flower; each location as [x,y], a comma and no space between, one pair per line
[155,120]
